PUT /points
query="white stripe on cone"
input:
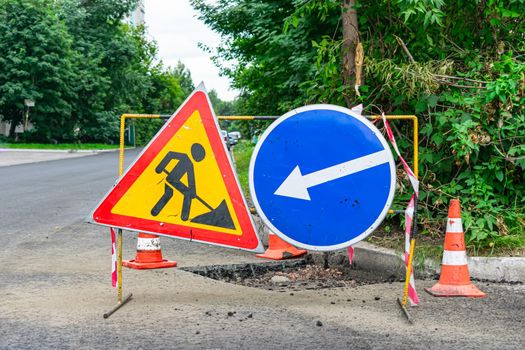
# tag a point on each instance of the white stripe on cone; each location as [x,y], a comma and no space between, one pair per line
[455,258]
[454,225]
[148,243]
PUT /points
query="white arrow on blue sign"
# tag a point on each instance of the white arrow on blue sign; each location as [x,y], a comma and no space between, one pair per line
[322,177]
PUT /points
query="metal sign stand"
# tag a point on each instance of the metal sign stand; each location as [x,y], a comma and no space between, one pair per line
[120,301]
[413,118]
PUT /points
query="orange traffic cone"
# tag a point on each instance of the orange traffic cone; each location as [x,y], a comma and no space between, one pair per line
[454,280]
[149,254]
[279,249]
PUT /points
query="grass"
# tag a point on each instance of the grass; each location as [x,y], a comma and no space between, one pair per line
[510,245]
[60,146]
[242,153]
[392,237]
[427,246]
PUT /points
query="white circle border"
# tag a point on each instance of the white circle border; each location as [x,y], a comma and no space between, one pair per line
[372,128]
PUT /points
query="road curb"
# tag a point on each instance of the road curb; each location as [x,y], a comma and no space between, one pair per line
[383,260]
[12,157]
[501,269]
[386,261]
[60,150]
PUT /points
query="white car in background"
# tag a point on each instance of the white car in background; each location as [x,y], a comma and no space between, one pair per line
[225,138]
[235,134]
[230,138]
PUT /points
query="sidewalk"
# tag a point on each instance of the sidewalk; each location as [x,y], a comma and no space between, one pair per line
[9,156]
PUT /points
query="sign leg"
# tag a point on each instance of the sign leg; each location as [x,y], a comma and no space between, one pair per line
[119,266]
[120,302]
[118,306]
[403,304]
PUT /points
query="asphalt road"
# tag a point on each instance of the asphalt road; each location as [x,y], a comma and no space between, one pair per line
[46,195]
[55,286]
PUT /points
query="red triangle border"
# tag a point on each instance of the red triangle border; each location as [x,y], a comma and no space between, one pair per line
[248,240]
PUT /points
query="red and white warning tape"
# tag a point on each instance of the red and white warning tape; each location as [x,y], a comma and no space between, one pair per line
[413,180]
[409,216]
[350,251]
[409,213]
[113,259]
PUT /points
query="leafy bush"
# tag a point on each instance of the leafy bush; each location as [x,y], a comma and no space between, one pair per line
[459,65]
[477,141]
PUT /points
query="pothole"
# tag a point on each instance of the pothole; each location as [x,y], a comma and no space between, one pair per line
[292,275]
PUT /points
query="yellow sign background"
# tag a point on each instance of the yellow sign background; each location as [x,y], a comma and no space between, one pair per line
[144,193]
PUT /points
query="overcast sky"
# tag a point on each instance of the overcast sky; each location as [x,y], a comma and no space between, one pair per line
[175,27]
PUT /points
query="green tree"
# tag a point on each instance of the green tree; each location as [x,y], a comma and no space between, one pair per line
[166,93]
[183,75]
[113,65]
[164,97]
[266,64]
[36,63]
[221,107]
[83,66]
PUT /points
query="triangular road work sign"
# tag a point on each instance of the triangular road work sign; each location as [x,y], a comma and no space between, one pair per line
[183,185]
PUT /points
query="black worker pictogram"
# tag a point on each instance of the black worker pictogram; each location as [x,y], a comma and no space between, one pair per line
[218,216]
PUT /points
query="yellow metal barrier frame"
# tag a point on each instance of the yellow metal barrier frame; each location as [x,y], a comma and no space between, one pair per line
[123,118]
[413,118]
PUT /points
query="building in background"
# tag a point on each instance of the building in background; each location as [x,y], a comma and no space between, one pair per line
[137,16]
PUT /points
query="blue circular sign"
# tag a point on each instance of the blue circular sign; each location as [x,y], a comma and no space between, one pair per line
[322,177]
